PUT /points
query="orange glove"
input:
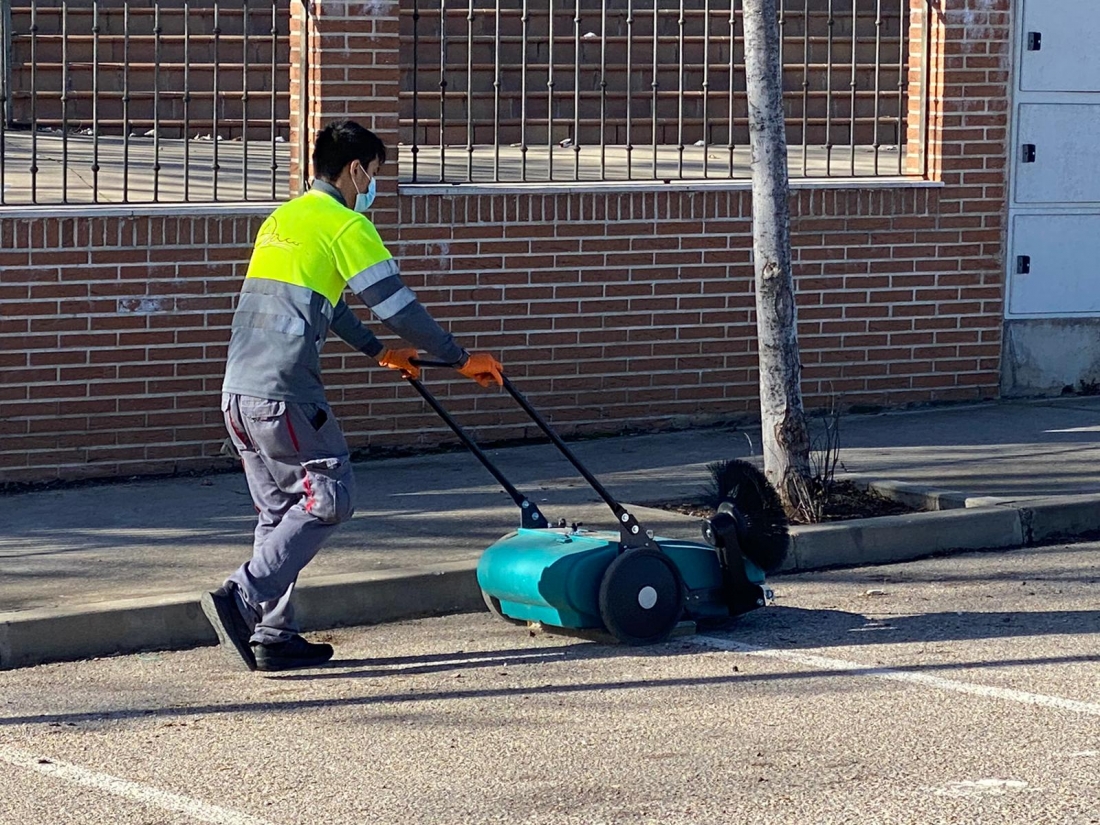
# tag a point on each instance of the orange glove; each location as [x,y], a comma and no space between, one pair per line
[399,359]
[483,368]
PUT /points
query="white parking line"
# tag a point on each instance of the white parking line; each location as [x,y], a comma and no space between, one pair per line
[938,682]
[134,791]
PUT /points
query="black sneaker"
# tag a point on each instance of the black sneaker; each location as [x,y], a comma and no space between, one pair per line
[233,631]
[293,653]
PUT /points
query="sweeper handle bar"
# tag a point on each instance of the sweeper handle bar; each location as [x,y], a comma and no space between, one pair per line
[530,515]
[633,535]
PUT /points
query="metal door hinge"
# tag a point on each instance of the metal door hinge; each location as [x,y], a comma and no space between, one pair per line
[1034,41]
[1023,264]
[1028,154]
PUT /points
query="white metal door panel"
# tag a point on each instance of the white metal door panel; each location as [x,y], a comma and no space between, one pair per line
[1054,268]
[1059,49]
[1056,157]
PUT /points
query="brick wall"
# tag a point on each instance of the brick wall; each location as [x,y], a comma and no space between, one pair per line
[111,331]
[638,307]
[613,309]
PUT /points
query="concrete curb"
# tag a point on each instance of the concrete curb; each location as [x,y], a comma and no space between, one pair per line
[890,539]
[173,622]
[34,637]
[917,496]
[1054,519]
[994,524]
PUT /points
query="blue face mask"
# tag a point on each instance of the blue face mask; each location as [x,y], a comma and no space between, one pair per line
[363,200]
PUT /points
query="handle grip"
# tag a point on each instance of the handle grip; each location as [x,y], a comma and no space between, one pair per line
[424,362]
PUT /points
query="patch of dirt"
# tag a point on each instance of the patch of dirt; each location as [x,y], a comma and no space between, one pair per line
[846,502]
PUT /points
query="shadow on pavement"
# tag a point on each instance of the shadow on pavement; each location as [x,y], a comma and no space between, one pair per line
[291,706]
[803,628]
[783,627]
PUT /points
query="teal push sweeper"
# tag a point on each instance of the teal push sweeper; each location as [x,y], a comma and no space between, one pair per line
[631,583]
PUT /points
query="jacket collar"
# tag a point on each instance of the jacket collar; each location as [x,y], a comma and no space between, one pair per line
[328,189]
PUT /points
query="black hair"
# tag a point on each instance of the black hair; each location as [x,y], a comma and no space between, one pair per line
[341,142]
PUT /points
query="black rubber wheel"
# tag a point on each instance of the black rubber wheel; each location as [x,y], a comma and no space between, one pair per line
[493,603]
[641,597]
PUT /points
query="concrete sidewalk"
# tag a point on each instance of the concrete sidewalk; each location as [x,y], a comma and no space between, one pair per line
[95,549]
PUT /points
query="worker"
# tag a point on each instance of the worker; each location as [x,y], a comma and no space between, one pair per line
[295,458]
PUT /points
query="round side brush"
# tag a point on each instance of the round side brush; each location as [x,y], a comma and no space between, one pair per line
[762,524]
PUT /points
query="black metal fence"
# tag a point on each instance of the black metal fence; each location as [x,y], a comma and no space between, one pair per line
[144,101]
[601,90]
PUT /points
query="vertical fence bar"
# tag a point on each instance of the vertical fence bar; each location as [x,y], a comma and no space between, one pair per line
[34,101]
[186,100]
[244,99]
[305,89]
[878,75]
[65,101]
[577,91]
[805,88]
[680,95]
[603,90]
[5,89]
[925,71]
[470,92]
[525,20]
[217,32]
[550,92]
[442,91]
[126,103]
[733,63]
[6,102]
[274,98]
[655,84]
[629,88]
[156,99]
[415,149]
[706,88]
[95,101]
[829,94]
[903,82]
[853,83]
[496,98]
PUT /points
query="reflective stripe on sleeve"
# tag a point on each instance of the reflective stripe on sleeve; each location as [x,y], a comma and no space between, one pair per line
[373,274]
[394,304]
[379,292]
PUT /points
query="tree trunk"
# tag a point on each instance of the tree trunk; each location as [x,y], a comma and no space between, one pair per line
[786,440]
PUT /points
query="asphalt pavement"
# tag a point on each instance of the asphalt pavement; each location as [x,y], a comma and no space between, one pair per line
[951,690]
[107,568]
[91,544]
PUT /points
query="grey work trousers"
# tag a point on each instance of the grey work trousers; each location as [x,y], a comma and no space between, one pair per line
[299,473]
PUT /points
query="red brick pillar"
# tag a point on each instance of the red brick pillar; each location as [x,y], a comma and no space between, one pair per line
[298,105]
[353,67]
[925,89]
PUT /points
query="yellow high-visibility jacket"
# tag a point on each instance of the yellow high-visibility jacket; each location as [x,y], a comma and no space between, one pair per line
[306,253]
